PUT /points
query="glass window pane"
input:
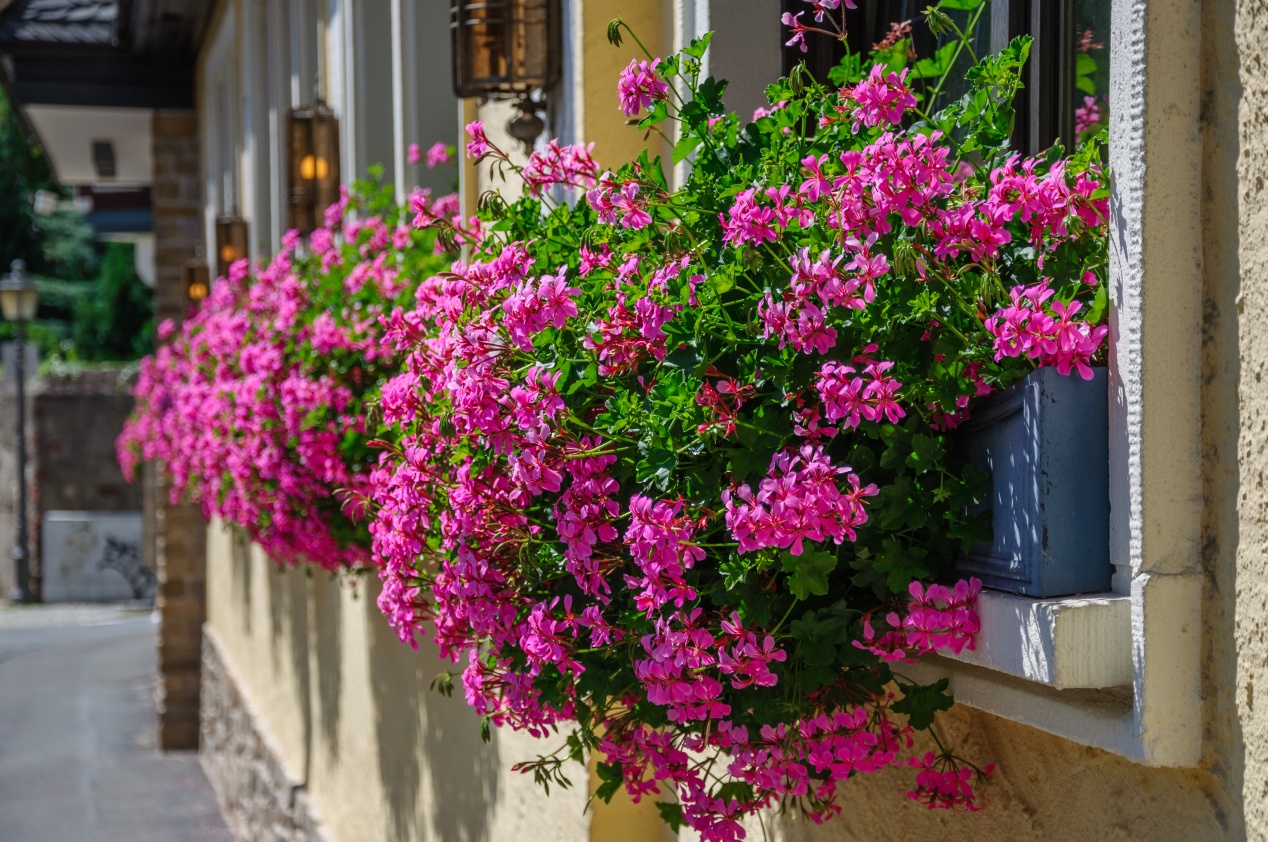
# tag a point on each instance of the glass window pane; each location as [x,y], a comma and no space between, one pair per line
[1091,67]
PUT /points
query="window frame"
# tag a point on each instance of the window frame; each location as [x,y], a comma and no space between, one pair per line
[1150,710]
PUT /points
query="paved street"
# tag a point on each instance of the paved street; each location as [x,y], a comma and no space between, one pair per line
[78,761]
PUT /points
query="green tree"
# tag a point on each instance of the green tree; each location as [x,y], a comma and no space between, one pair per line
[23,170]
[116,322]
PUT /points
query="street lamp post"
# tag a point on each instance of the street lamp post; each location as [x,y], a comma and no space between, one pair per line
[18,300]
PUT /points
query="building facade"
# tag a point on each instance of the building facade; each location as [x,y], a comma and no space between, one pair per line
[1129,714]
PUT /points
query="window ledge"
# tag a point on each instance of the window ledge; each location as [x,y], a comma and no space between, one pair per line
[1070,643]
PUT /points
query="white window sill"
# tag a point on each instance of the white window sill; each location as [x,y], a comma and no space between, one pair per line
[1061,665]
[1067,643]
[1074,667]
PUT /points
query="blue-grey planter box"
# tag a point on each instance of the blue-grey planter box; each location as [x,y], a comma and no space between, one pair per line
[1045,442]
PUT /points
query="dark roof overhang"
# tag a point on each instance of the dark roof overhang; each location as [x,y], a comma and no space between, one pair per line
[122,53]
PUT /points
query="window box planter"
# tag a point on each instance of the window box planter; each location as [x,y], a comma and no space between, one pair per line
[1045,444]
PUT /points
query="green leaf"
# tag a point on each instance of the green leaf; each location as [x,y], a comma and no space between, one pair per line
[656,468]
[589,376]
[1099,302]
[921,702]
[735,790]
[965,5]
[610,774]
[901,565]
[816,638]
[686,144]
[808,572]
[658,111]
[697,47]
[939,63]
[671,814]
[926,453]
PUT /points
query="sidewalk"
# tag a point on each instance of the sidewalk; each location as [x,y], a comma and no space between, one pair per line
[78,761]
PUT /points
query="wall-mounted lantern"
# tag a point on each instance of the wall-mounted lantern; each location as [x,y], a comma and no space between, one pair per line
[231,241]
[313,184]
[197,278]
[508,49]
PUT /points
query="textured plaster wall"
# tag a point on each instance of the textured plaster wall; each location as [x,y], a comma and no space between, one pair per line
[1251,623]
[349,709]
[259,613]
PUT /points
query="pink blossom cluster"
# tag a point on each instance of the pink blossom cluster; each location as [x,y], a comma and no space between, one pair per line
[807,760]
[936,619]
[620,203]
[800,317]
[881,99]
[750,222]
[249,402]
[944,782]
[799,500]
[850,398]
[1036,326]
[1087,116]
[639,86]
[659,538]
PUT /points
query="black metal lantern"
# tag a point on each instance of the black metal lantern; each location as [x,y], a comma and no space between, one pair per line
[313,185]
[197,277]
[507,48]
[231,241]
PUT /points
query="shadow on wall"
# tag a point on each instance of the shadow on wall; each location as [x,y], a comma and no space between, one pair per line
[288,625]
[328,628]
[240,554]
[445,736]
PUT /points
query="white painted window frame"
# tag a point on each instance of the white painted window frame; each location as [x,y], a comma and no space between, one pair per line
[1123,672]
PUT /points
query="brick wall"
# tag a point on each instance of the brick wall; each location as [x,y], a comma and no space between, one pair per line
[178,532]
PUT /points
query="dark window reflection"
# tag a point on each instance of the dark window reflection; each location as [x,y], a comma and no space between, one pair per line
[1067,81]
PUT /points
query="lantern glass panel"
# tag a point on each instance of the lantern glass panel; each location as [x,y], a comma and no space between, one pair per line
[19,298]
[231,242]
[19,301]
[505,46]
[197,280]
[324,167]
[313,134]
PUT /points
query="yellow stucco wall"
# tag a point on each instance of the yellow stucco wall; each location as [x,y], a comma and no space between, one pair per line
[349,708]
[605,125]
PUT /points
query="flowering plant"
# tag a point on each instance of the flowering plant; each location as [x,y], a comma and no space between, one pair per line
[258,403]
[670,460]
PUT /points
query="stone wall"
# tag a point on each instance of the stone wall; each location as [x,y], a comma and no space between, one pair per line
[72,423]
[259,797]
[179,536]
